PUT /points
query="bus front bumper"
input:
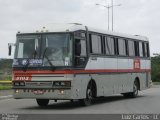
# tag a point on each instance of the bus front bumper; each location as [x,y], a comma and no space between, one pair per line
[55,94]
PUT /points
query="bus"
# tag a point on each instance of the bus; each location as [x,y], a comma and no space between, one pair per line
[79,63]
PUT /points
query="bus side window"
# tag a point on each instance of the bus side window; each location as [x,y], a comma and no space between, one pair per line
[80,47]
[144,50]
[116,51]
[96,44]
[136,46]
[141,53]
[147,49]
[131,48]
[109,45]
[122,47]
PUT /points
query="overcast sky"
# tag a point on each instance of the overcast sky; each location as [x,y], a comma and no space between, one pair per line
[136,17]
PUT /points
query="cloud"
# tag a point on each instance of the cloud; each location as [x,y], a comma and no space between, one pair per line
[133,17]
[142,18]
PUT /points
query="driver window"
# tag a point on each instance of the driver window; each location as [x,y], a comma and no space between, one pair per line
[80,52]
[80,47]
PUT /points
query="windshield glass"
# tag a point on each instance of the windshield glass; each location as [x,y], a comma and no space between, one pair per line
[57,50]
[27,47]
[53,49]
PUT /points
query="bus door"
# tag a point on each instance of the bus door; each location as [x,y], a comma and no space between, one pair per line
[80,49]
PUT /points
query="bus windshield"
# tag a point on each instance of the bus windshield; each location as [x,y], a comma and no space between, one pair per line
[27,46]
[54,49]
[57,50]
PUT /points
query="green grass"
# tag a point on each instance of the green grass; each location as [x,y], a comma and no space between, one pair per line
[5,86]
[156,83]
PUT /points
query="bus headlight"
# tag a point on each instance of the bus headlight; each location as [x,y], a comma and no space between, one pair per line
[62,84]
[19,84]
[16,83]
[61,92]
[16,91]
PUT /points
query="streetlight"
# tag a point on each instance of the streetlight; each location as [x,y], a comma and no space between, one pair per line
[108,7]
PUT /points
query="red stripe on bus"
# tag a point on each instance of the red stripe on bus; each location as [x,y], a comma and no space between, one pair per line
[30,72]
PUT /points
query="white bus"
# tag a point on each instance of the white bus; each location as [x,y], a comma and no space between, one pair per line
[79,63]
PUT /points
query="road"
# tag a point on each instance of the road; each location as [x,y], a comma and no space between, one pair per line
[147,102]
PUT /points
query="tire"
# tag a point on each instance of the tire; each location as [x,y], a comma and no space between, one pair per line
[133,94]
[89,97]
[42,102]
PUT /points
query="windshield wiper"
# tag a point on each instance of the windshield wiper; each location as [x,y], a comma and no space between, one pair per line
[49,61]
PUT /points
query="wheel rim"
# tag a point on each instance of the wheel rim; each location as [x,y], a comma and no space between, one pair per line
[135,90]
[88,99]
[89,94]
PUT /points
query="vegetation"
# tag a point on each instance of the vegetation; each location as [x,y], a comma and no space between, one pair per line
[5,73]
[6,69]
[155,64]
[156,83]
[5,86]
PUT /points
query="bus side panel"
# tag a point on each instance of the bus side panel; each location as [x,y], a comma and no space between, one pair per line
[79,85]
[95,63]
[102,79]
[106,84]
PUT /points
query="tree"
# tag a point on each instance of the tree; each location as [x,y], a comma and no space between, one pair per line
[155,65]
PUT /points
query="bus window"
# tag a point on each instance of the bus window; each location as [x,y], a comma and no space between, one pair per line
[131,48]
[140,49]
[122,47]
[80,47]
[96,44]
[109,45]
[146,45]
[83,48]
[136,46]
[144,50]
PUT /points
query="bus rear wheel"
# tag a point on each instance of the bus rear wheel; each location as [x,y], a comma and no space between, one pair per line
[133,94]
[89,96]
[42,102]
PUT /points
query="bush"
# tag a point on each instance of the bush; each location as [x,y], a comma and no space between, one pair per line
[155,66]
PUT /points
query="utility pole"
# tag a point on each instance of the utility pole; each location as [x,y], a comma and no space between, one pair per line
[108,7]
[112,14]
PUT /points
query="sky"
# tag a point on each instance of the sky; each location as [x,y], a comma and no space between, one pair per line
[135,17]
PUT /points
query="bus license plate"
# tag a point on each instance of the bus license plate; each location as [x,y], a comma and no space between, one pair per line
[38,92]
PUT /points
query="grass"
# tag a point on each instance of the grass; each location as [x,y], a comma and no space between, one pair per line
[156,83]
[5,86]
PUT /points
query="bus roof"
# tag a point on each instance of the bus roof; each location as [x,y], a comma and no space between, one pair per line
[76,26]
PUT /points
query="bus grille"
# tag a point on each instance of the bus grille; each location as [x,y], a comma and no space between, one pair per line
[40,84]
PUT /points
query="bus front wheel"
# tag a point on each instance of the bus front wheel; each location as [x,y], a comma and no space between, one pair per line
[89,96]
[42,102]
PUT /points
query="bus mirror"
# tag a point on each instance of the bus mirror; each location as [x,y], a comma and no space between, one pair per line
[10,48]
